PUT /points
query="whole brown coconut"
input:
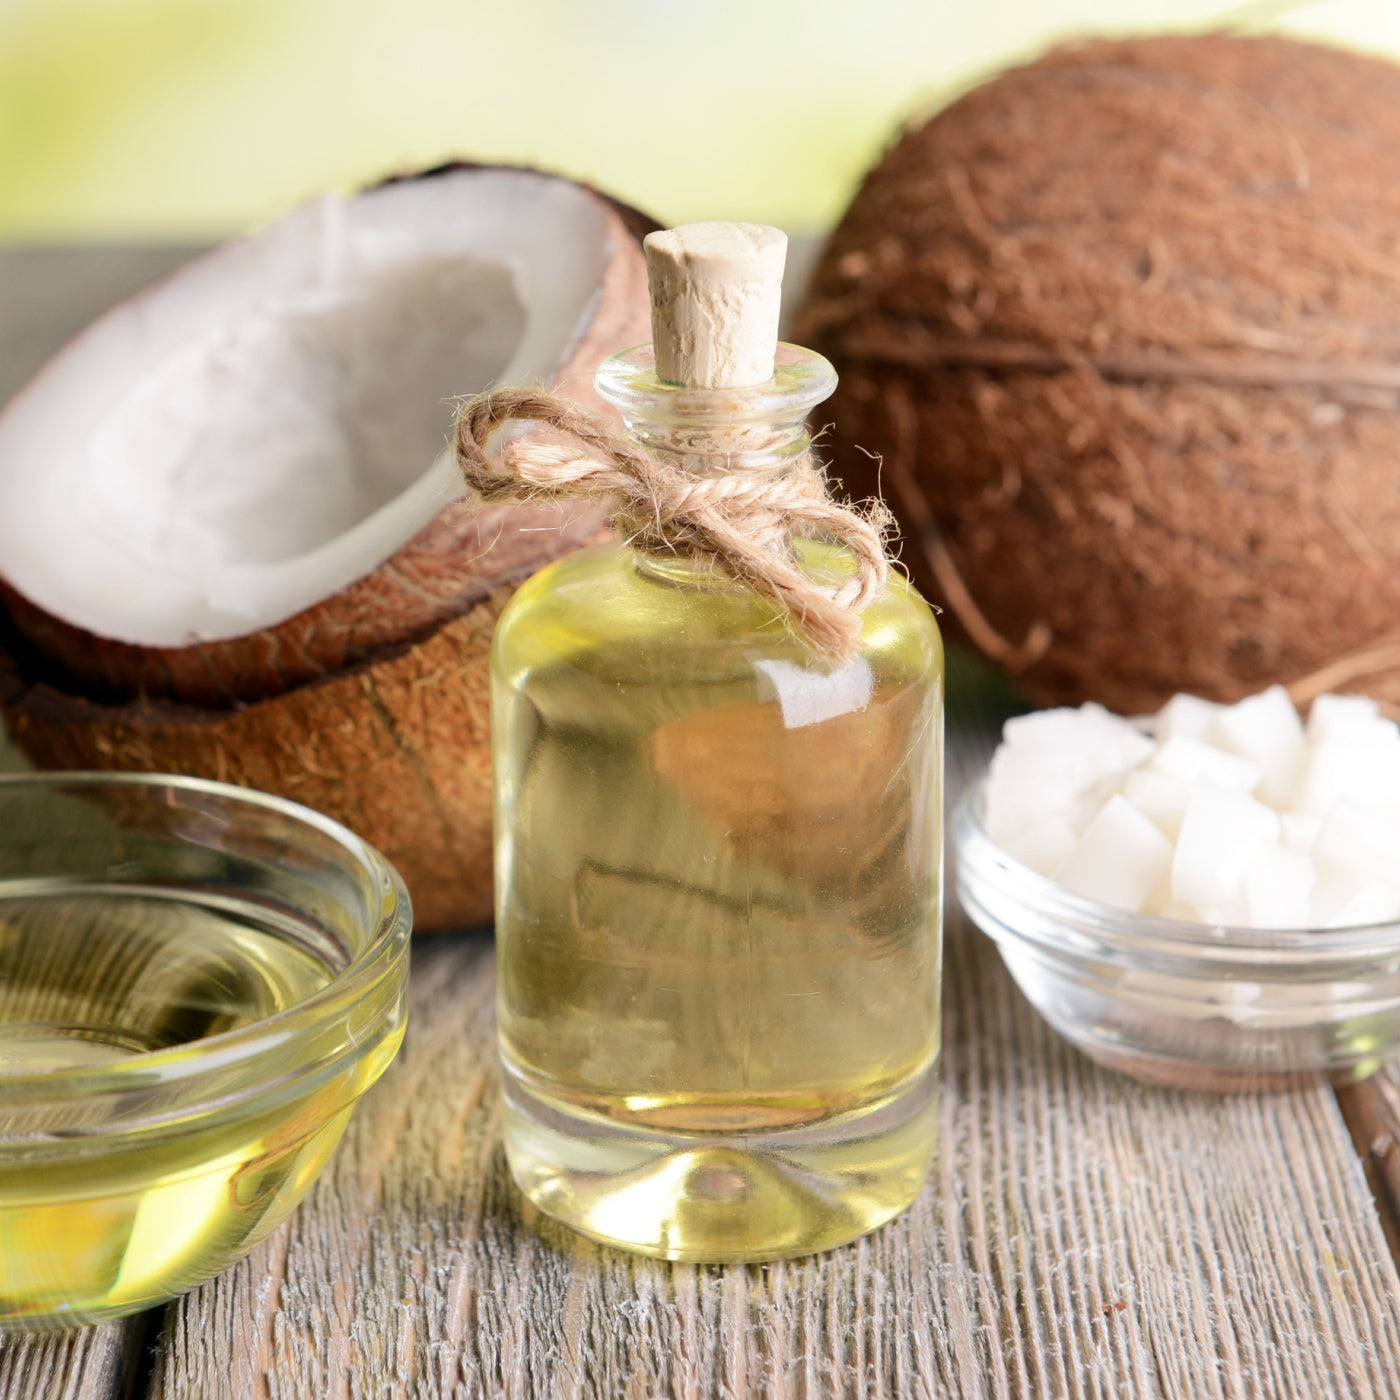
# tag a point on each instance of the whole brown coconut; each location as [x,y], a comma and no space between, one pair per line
[1124,325]
[371,702]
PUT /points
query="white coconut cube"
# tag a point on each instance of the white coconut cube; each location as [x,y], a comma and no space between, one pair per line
[1122,858]
[1278,884]
[1044,845]
[1159,796]
[1366,772]
[1376,903]
[1222,913]
[1023,790]
[1194,761]
[1058,763]
[1341,716]
[1299,830]
[1360,840]
[1099,742]
[1092,802]
[1022,799]
[1185,717]
[1266,730]
[1344,899]
[1221,833]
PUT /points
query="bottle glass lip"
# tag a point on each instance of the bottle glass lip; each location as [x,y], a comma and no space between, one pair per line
[801,380]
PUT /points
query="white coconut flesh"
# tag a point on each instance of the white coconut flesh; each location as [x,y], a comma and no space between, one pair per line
[255,433]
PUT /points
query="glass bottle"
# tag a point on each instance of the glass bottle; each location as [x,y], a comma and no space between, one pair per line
[718,877]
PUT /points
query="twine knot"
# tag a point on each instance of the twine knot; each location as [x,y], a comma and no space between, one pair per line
[744,522]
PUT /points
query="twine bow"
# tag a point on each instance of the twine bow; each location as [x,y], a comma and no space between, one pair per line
[743,521]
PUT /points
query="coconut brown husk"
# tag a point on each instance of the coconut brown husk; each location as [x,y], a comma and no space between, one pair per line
[372,707]
[1123,325]
[398,750]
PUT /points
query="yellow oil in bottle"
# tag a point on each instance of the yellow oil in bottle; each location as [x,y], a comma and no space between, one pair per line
[94,1222]
[718,884]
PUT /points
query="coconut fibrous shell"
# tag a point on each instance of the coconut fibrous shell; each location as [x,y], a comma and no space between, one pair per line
[1122,326]
[372,703]
[398,750]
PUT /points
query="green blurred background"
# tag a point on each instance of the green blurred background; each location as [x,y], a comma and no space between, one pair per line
[185,119]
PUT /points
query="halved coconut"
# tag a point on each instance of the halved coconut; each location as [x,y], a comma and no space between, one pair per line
[238,480]
[231,542]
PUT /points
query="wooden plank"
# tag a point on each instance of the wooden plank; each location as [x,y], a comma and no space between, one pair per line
[1082,1236]
[90,1363]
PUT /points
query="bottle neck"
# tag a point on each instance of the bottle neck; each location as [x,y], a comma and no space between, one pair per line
[759,428]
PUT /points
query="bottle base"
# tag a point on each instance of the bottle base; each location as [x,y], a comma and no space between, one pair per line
[731,1198]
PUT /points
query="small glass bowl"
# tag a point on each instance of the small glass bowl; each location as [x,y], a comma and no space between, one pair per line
[1187,1005]
[196,984]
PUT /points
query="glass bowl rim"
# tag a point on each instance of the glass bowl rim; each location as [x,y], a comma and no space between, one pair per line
[1133,932]
[384,950]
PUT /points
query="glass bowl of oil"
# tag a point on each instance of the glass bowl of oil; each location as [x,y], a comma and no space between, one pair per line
[197,982]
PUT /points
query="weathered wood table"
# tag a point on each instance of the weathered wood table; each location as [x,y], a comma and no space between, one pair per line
[1081,1234]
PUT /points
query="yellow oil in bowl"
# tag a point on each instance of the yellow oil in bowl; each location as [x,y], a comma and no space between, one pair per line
[179,1057]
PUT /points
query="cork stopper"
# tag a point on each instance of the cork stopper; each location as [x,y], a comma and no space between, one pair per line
[715,294]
